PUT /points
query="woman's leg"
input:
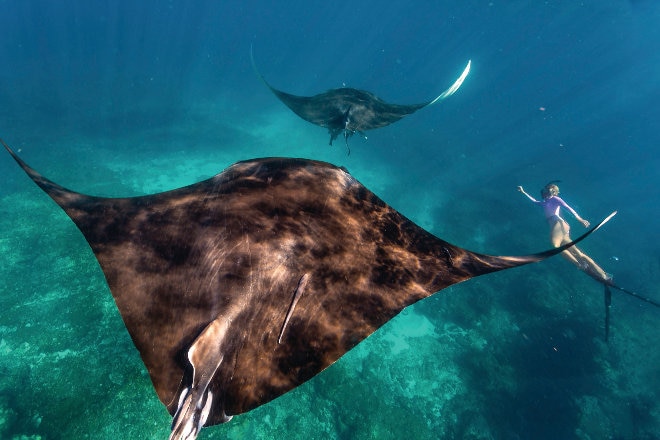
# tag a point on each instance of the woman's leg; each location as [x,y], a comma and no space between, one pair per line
[589,265]
[559,236]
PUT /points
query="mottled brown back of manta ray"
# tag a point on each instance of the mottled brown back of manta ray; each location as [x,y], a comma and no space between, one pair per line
[232,250]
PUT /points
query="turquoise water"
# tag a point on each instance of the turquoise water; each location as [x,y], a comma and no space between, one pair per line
[118,99]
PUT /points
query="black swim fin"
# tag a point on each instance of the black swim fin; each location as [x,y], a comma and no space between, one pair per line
[633,294]
[608,303]
[608,300]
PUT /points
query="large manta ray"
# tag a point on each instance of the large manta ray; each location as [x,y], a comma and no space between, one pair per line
[351,111]
[240,288]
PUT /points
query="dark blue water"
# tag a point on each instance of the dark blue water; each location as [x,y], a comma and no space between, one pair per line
[125,98]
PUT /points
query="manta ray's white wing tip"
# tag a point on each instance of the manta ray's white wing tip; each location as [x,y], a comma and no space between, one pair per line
[454,87]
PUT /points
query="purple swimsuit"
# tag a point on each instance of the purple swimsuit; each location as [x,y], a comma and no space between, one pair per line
[552,208]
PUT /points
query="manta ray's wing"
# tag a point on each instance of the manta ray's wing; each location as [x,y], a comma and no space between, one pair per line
[351,110]
[324,110]
[239,288]
[345,110]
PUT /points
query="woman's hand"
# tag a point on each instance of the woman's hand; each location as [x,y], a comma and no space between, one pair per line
[520,188]
[585,222]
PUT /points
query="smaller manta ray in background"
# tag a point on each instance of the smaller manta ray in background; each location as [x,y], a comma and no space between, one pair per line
[242,287]
[351,111]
